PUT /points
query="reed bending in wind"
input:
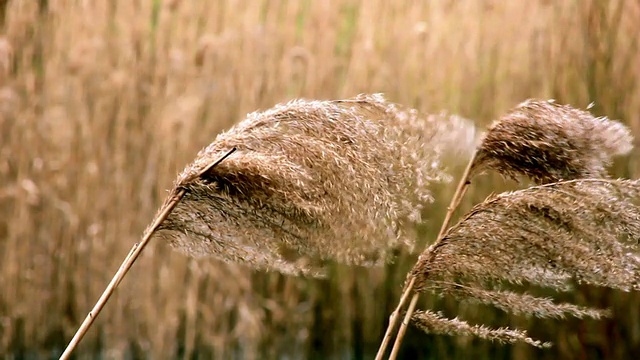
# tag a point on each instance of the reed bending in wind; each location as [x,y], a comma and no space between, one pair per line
[568,228]
[304,183]
[314,181]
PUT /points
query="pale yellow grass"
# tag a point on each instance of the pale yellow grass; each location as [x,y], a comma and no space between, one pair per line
[103,102]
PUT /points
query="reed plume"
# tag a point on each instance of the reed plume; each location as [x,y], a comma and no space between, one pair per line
[544,235]
[579,231]
[434,323]
[584,230]
[302,183]
[313,181]
[548,142]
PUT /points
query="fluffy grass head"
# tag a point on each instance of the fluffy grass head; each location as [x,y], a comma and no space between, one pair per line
[548,142]
[554,236]
[434,323]
[313,181]
[550,235]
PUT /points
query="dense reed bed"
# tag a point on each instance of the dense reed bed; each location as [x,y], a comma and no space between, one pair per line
[102,103]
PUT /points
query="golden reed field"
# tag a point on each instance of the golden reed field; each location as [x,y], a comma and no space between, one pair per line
[103,102]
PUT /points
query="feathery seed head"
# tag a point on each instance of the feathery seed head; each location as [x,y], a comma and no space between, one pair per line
[434,323]
[549,235]
[549,142]
[313,181]
[516,303]
[583,230]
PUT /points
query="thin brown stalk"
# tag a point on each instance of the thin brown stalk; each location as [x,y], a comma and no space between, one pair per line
[393,319]
[461,189]
[135,252]
[403,327]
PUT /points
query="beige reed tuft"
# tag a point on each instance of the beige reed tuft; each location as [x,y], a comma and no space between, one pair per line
[313,181]
[552,235]
[555,235]
[433,323]
[305,182]
[549,142]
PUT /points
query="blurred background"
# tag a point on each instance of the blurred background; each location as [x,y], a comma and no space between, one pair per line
[102,102]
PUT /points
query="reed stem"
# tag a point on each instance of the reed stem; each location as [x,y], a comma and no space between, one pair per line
[403,327]
[461,189]
[134,253]
[393,319]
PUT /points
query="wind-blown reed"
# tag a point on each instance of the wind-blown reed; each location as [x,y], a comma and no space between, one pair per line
[583,230]
[549,142]
[580,231]
[313,181]
[517,240]
[433,323]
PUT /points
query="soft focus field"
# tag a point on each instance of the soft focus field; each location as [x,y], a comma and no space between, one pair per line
[103,102]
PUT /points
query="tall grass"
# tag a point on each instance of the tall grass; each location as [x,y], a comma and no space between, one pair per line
[103,102]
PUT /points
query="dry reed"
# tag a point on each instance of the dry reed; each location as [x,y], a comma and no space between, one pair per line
[105,100]
[314,181]
[584,231]
[433,323]
[549,142]
[538,139]
[285,196]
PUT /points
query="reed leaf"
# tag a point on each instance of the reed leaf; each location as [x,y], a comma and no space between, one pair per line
[313,181]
